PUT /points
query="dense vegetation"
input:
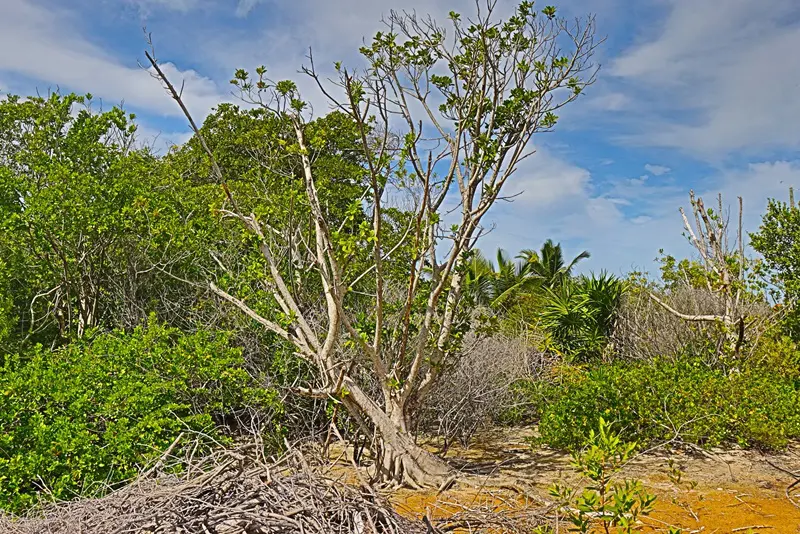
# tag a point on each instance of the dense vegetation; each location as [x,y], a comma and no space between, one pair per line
[140,301]
[95,411]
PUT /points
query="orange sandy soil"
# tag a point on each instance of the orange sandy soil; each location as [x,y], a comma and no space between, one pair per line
[720,491]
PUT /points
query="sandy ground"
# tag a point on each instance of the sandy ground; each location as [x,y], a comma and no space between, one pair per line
[719,491]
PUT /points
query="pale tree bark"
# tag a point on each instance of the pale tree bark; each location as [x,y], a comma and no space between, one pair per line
[444,119]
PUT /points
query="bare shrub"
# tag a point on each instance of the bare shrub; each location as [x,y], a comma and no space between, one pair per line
[476,390]
[646,330]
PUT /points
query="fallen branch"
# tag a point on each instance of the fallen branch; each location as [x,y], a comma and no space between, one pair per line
[790,486]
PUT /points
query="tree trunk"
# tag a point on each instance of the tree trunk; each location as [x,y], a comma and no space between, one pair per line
[400,459]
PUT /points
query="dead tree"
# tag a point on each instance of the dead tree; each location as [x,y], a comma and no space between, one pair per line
[444,121]
[725,268]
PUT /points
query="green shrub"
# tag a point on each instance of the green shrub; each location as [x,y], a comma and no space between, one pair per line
[579,316]
[656,401]
[92,413]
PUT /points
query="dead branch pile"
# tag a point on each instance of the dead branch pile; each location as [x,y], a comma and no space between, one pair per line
[231,493]
[502,516]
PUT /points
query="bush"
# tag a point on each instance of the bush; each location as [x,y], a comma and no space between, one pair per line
[475,391]
[660,400]
[645,330]
[580,315]
[89,415]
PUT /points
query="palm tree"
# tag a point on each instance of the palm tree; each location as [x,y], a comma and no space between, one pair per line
[479,279]
[499,285]
[548,265]
[495,286]
[511,279]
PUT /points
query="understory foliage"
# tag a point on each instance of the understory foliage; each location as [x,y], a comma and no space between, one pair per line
[89,415]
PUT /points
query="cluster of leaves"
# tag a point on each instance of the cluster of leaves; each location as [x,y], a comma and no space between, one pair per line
[92,413]
[661,400]
[692,273]
[604,502]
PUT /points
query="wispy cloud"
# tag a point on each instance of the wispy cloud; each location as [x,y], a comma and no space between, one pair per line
[244,7]
[148,7]
[722,75]
[48,48]
[656,170]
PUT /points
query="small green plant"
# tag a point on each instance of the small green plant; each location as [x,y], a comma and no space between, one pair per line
[675,473]
[604,502]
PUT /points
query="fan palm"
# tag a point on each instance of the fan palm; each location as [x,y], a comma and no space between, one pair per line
[580,316]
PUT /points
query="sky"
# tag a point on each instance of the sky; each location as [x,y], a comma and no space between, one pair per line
[691,94]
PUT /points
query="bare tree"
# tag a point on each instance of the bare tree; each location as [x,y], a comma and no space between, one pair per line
[444,122]
[725,266]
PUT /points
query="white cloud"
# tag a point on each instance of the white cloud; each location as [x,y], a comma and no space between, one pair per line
[47,47]
[656,170]
[611,101]
[623,226]
[146,7]
[244,7]
[544,180]
[721,75]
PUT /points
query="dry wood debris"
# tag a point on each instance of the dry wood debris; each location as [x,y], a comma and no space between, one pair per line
[228,493]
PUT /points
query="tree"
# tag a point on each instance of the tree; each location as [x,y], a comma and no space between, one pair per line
[93,231]
[497,287]
[548,265]
[725,269]
[467,107]
[778,241]
[68,183]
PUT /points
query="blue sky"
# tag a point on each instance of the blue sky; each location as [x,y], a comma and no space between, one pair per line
[699,94]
